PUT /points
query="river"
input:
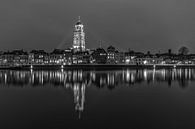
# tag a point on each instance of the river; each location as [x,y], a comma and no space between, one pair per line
[126,98]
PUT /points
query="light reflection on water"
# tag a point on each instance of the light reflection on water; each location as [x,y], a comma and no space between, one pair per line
[109,79]
[78,80]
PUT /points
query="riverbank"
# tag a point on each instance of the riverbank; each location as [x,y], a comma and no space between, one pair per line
[93,66]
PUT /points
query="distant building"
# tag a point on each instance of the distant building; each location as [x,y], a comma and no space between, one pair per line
[119,57]
[79,37]
[20,57]
[167,58]
[133,58]
[1,58]
[99,56]
[68,55]
[57,57]
[81,57]
[14,58]
[38,57]
[8,58]
[192,59]
[111,51]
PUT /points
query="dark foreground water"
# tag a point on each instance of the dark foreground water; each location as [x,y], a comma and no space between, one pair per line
[138,99]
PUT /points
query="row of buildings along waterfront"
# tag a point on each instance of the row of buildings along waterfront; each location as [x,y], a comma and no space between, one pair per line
[78,54]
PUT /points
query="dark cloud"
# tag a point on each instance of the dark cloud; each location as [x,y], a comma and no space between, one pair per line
[137,24]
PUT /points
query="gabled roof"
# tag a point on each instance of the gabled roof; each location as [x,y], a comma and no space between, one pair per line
[38,52]
[16,52]
[101,50]
[111,47]
[57,51]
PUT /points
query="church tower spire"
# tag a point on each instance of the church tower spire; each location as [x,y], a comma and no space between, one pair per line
[79,19]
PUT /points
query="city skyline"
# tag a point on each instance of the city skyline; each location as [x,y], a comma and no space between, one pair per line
[79,45]
[97,63]
[139,25]
[79,53]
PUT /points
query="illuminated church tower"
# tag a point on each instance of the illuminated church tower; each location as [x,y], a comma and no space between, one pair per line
[79,37]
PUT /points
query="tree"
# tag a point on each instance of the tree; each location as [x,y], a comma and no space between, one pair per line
[183,50]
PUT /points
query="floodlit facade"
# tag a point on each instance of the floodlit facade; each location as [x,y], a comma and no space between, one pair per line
[79,37]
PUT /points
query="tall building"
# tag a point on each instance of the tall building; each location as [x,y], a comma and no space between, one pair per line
[79,37]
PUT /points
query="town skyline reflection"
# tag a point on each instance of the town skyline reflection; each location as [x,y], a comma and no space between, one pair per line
[100,79]
[78,80]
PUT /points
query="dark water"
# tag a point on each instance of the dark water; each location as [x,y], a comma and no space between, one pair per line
[134,98]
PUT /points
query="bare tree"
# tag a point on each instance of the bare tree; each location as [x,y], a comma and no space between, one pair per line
[183,50]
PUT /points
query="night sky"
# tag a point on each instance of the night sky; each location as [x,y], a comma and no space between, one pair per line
[141,25]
